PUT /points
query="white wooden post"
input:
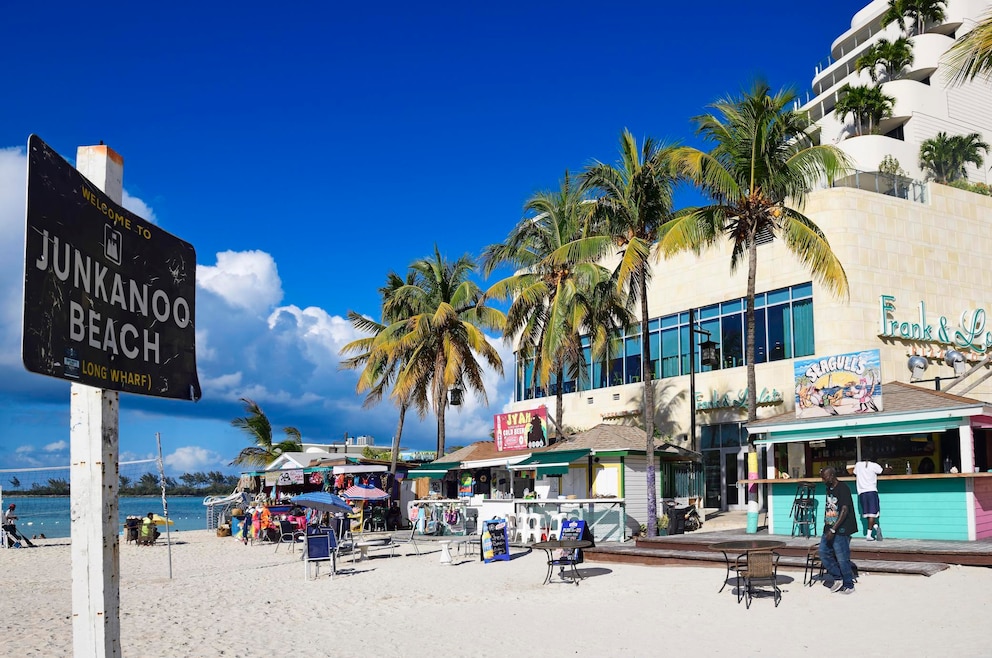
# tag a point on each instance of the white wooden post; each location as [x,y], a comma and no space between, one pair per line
[966,444]
[93,476]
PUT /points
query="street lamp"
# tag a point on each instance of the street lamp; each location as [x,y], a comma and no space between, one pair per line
[456,394]
[708,356]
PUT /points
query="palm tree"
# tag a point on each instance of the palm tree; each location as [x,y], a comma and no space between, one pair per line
[944,157]
[762,165]
[634,199]
[868,105]
[379,368]
[920,12]
[551,299]
[439,339]
[972,54]
[892,56]
[256,424]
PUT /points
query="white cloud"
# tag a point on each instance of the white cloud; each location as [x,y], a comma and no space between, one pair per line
[57,446]
[244,279]
[24,450]
[190,459]
[139,208]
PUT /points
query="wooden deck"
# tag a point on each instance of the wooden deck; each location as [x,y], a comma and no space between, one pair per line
[891,555]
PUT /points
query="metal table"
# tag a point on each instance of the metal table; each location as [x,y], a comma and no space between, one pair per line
[550,547]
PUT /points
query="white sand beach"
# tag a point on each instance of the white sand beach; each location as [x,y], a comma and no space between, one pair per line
[227,599]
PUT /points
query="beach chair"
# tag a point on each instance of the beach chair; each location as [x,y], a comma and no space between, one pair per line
[321,546]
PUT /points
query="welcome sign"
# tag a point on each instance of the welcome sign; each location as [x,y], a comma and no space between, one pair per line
[839,385]
[109,298]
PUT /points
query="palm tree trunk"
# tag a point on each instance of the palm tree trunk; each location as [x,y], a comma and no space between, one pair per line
[440,402]
[752,275]
[752,384]
[395,454]
[559,401]
[651,476]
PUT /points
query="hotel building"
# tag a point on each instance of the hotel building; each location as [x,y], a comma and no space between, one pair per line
[917,261]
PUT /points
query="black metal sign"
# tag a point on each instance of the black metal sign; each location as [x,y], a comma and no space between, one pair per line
[109,298]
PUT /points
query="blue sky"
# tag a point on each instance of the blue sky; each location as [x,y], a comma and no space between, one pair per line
[307,150]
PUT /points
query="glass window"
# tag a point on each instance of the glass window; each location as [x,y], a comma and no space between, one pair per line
[616,362]
[778,296]
[802,290]
[670,353]
[778,332]
[584,381]
[732,332]
[735,306]
[709,437]
[731,435]
[802,323]
[708,312]
[760,336]
[633,359]
[655,340]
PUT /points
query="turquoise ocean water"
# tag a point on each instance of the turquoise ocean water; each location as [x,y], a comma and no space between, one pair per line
[49,515]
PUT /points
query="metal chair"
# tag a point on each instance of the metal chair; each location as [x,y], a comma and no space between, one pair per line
[804,511]
[755,569]
[288,532]
[814,567]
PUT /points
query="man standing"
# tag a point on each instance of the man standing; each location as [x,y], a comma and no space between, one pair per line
[10,526]
[866,473]
[835,544]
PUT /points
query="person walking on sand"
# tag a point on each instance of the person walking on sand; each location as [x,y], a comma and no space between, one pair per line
[866,474]
[835,544]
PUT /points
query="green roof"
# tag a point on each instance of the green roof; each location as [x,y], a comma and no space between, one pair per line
[552,462]
[433,470]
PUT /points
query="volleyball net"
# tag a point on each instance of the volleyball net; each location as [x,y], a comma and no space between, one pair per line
[42,494]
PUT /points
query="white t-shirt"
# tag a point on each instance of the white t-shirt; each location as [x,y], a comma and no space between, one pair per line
[866,473]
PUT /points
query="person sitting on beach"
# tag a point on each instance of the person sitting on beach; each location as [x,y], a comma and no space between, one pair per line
[149,531]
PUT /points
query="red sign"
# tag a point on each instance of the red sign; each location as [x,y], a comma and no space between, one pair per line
[520,430]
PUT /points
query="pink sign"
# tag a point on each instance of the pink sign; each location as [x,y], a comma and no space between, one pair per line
[520,430]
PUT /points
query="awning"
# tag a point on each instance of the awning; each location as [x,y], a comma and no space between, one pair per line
[359,468]
[433,470]
[550,463]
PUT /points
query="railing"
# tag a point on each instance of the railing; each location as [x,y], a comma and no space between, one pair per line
[887,184]
[605,517]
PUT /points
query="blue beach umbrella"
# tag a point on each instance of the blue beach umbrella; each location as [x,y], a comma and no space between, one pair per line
[322,501]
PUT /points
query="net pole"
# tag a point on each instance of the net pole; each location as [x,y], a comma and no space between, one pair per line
[165,503]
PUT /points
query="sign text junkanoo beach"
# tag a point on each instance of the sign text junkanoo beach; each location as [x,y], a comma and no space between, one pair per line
[109,298]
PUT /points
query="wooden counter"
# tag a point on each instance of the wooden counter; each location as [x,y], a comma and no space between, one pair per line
[881,478]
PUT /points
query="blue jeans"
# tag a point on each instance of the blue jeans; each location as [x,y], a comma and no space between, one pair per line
[835,553]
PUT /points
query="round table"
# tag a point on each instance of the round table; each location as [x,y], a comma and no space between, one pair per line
[550,547]
[742,546]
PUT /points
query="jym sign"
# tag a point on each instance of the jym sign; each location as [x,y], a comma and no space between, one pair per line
[109,299]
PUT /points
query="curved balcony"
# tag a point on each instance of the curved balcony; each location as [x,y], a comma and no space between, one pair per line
[914,96]
[866,153]
[927,50]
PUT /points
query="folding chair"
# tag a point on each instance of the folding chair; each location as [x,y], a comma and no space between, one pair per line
[321,545]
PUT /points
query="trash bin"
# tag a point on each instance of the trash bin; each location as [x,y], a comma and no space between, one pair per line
[676,520]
